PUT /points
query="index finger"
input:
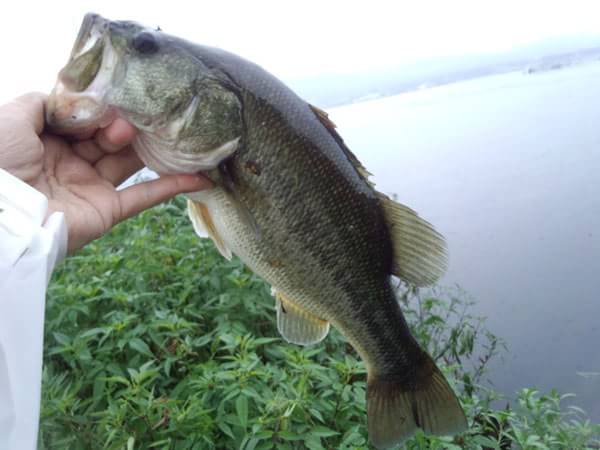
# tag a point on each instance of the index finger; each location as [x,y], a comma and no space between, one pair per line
[116,136]
[28,108]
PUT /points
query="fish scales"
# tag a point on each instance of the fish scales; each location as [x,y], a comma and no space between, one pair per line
[345,274]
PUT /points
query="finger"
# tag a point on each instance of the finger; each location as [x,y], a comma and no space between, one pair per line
[88,150]
[142,196]
[28,108]
[116,136]
[117,167]
[84,135]
[111,139]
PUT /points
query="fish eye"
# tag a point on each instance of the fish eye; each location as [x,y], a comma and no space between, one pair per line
[145,43]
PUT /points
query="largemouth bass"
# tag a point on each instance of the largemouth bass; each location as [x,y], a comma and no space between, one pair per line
[290,200]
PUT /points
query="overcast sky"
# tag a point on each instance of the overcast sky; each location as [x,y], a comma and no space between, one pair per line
[292,39]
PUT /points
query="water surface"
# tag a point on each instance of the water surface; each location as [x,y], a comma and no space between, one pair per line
[508,168]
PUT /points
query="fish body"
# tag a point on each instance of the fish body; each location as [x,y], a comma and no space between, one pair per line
[290,200]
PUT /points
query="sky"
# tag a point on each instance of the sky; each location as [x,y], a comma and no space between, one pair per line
[292,39]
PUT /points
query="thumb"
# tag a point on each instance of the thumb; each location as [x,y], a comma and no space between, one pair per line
[139,197]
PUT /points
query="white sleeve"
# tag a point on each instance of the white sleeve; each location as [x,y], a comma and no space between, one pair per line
[30,246]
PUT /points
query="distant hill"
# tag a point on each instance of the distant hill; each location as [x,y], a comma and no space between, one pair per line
[331,90]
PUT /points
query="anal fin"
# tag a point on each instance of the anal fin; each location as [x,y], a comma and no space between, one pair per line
[204,225]
[297,325]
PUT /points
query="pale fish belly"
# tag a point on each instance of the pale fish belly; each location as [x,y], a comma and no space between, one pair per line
[322,300]
[235,236]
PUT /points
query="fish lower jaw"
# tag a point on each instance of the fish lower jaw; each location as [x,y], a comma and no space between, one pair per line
[72,112]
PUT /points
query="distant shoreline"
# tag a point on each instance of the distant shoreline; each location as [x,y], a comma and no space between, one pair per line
[334,90]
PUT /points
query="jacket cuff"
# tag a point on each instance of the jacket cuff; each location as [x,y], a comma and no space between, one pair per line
[24,226]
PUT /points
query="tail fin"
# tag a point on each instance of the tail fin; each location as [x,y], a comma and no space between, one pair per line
[395,412]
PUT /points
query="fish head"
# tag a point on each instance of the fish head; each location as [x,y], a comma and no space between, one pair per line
[152,80]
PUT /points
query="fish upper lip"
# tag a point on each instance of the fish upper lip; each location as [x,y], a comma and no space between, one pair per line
[92,23]
[69,110]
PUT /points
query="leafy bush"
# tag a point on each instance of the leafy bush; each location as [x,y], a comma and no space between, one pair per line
[154,341]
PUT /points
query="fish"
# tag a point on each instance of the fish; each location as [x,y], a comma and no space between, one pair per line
[290,199]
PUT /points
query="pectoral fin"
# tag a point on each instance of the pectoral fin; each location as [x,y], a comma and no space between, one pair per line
[204,226]
[297,325]
[420,256]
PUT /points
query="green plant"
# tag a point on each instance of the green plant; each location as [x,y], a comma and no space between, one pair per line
[154,341]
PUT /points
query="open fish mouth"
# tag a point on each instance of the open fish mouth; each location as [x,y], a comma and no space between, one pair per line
[76,104]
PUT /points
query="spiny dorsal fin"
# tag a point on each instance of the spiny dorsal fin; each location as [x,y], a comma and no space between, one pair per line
[297,325]
[419,251]
[323,117]
[204,225]
[331,127]
[420,256]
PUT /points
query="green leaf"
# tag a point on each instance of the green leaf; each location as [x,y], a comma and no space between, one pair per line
[264,434]
[265,340]
[140,346]
[485,441]
[313,443]
[62,338]
[241,406]
[226,429]
[288,435]
[92,332]
[164,442]
[99,386]
[323,431]
[251,445]
[317,414]
[118,379]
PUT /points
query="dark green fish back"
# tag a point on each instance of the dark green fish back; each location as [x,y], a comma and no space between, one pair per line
[295,115]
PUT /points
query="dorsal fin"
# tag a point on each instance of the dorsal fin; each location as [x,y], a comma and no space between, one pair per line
[420,255]
[331,127]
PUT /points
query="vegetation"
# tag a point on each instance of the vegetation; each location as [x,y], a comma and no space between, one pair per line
[154,341]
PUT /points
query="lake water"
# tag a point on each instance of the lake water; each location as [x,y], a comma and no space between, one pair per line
[508,169]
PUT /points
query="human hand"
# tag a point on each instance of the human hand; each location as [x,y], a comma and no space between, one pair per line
[79,177]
